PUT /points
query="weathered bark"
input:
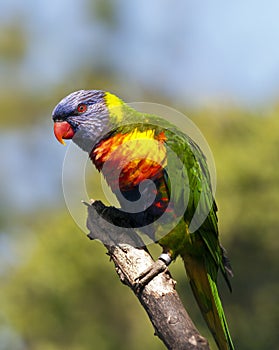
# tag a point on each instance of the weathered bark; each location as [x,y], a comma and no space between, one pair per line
[171,322]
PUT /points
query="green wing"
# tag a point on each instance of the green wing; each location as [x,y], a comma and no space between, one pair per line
[201,209]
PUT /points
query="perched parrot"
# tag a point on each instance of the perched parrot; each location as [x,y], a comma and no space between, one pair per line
[138,146]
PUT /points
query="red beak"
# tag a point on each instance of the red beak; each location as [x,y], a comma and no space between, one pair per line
[63,130]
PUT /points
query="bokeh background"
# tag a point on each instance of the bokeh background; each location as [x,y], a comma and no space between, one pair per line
[217,62]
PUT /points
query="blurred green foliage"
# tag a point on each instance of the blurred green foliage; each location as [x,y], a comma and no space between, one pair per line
[64,293]
[13,41]
[104,11]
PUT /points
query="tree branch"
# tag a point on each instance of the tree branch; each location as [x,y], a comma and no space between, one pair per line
[171,322]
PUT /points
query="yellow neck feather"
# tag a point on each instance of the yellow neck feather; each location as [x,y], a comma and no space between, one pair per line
[114,105]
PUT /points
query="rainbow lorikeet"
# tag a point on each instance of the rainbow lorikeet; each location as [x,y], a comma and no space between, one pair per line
[136,147]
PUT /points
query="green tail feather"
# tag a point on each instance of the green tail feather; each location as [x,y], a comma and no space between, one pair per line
[206,294]
[220,311]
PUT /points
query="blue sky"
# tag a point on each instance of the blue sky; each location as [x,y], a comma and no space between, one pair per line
[192,50]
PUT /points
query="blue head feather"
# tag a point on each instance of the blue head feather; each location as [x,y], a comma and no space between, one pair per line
[89,126]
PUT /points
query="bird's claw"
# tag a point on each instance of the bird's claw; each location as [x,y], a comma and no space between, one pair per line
[91,202]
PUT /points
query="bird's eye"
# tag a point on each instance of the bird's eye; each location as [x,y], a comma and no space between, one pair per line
[81,108]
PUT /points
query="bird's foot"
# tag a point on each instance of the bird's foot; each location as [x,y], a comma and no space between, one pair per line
[152,271]
[116,226]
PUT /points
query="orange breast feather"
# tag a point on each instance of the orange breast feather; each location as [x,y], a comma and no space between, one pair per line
[128,159]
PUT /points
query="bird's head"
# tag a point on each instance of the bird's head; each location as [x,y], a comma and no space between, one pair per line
[86,116]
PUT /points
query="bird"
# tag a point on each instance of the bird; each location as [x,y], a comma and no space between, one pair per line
[146,159]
